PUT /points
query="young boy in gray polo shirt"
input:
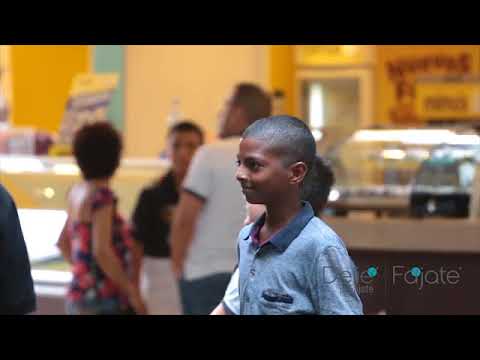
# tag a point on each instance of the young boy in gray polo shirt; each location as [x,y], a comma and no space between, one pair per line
[290,262]
[316,191]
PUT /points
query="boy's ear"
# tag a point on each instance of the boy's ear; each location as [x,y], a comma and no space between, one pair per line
[298,171]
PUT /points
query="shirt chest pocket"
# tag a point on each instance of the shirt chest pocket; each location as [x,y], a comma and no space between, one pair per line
[274,302]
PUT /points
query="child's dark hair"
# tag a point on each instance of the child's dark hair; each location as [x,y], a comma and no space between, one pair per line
[318,185]
[97,148]
[253,100]
[186,126]
[288,137]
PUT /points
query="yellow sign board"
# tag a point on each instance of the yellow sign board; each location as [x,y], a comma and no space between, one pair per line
[334,55]
[89,98]
[401,66]
[448,100]
[93,83]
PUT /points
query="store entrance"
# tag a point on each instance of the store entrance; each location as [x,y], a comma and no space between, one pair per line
[334,103]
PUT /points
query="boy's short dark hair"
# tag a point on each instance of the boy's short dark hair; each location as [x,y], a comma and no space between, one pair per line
[318,185]
[186,126]
[287,136]
[97,148]
[253,100]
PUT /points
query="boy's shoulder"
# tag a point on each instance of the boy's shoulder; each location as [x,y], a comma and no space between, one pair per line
[318,236]
[245,231]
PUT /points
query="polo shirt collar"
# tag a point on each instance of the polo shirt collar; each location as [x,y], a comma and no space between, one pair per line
[282,239]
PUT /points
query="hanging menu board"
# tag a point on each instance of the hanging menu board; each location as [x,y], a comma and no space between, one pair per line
[88,102]
[448,98]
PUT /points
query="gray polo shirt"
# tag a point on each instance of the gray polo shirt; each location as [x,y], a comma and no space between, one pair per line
[303,269]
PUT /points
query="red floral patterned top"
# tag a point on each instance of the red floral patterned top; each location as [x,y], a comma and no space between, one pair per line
[90,285]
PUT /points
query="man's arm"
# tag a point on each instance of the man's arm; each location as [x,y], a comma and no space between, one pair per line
[183,226]
[110,264]
[142,229]
[219,310]
[137,260]
[197,189]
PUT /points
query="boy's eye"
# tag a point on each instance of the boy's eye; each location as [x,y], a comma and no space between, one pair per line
[237,162]
[252,165]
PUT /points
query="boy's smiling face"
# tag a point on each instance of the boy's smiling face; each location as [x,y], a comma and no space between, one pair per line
[261,173]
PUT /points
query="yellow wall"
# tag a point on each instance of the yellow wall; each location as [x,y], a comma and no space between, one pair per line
[41,77]
[282,73]
[201,76]
[285,60]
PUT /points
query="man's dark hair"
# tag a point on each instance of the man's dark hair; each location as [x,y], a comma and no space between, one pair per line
[97,148]
[186,126]
[253,100]
[318,185]
[288,137]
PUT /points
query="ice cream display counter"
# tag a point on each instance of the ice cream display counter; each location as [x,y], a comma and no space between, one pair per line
[375,168]
[39,186]
[43,182]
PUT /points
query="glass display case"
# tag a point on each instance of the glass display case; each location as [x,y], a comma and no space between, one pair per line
[39,186]
[443,184]
[375,168]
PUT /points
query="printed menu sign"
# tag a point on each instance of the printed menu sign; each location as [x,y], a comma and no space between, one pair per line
[401,66]
[88,102]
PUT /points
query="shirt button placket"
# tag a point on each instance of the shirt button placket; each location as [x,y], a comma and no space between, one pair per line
[252,268]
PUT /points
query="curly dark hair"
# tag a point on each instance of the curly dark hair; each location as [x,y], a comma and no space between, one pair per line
[97,148]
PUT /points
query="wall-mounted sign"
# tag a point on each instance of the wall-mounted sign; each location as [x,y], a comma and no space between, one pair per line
[399,67]
[88,102]
[448,99]
[334,55]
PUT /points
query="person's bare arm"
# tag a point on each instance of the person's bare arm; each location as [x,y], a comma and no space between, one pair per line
[219,310]
[64,244]
[183,226]
[104,254]
[137,254]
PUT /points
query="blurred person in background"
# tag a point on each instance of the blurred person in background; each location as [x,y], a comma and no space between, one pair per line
[152,218]
[96,240]
[4,110]
[17,296]
[211,207]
